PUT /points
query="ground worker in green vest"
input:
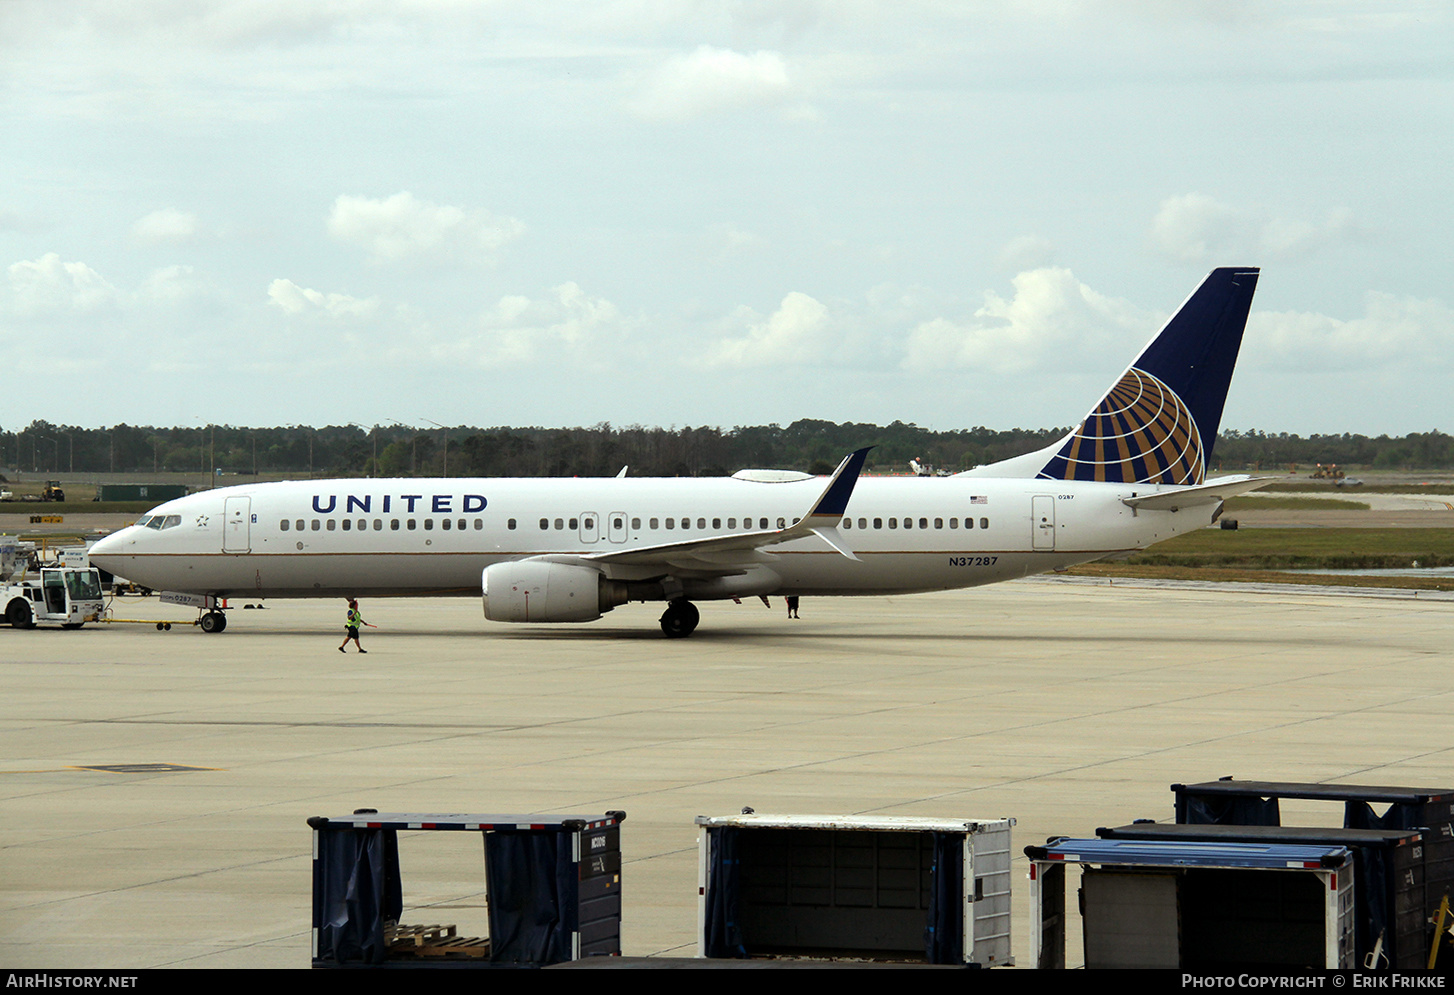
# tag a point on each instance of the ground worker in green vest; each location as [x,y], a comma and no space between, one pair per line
[351,626]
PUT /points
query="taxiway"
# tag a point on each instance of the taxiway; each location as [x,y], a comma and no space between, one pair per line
[1067,705]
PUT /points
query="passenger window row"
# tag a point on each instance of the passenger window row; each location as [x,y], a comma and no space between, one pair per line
[409,524]
[908,523]
[762,524]
[547,524]
[561,524]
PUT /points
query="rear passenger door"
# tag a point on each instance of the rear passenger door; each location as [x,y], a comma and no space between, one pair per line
[1042,522]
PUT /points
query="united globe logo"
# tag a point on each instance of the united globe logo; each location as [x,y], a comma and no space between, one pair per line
[1141,433]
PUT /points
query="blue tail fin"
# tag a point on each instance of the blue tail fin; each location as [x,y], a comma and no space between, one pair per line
[1159,421]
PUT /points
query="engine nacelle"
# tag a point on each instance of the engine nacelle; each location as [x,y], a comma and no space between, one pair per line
[541,591]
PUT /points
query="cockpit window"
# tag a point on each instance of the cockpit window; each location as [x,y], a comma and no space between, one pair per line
[161,521]
[141,522]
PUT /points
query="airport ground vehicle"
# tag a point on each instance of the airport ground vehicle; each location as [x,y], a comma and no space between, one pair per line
[68,596]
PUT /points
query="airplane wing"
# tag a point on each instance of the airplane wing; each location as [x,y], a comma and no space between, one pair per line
[1176,498]
[726,554]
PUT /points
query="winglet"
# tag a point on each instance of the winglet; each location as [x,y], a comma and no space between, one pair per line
[833,503]
[834,538]
[821,521]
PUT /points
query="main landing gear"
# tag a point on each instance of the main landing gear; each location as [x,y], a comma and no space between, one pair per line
[680,618]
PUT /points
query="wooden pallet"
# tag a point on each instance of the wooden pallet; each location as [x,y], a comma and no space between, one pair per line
[433,941]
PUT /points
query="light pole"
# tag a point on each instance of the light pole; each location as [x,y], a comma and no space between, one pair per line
[413,441]
[202,453]
[374,434]
[445,432]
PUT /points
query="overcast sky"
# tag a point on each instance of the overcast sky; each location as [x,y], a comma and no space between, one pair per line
[689,212]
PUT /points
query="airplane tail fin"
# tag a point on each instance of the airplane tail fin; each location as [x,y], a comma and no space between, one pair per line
[1158,422]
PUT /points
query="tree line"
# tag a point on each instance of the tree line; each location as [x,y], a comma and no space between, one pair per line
[602,450]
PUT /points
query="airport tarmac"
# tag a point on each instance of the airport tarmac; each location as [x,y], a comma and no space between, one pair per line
[1065,705]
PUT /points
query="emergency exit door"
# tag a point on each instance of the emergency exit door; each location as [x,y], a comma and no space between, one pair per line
[616,526]
[590,526]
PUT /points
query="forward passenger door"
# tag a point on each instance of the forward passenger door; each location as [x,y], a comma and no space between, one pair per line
[237,515]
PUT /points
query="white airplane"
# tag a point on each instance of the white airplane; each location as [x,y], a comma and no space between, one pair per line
[568,550]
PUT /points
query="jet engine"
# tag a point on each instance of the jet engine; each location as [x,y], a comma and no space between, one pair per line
[542,591]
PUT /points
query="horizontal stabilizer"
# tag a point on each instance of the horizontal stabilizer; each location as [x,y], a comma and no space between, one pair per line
[1176,498]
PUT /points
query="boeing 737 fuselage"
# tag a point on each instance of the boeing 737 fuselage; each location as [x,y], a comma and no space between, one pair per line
[568,550]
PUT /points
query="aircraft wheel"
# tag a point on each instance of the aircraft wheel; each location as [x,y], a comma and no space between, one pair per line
[214,622]
[680,619]
[19,615]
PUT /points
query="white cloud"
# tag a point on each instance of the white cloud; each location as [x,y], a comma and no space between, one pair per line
[166,226]
[1392,332]
[727,239]
[403,227]
[1196,228]
[1052,321]
[174,285]
[48,284]
[1026,252]
[296,300]
[799,331]
[712,80]
[566,324]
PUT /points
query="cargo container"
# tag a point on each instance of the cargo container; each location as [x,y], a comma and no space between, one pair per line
[552,886]
[1358,806]
[1389,921]
[890,888]
[1195,905]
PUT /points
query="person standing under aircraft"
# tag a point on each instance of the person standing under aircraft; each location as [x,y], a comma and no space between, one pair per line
[351,626]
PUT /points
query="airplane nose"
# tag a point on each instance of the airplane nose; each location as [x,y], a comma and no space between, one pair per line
[109,546]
